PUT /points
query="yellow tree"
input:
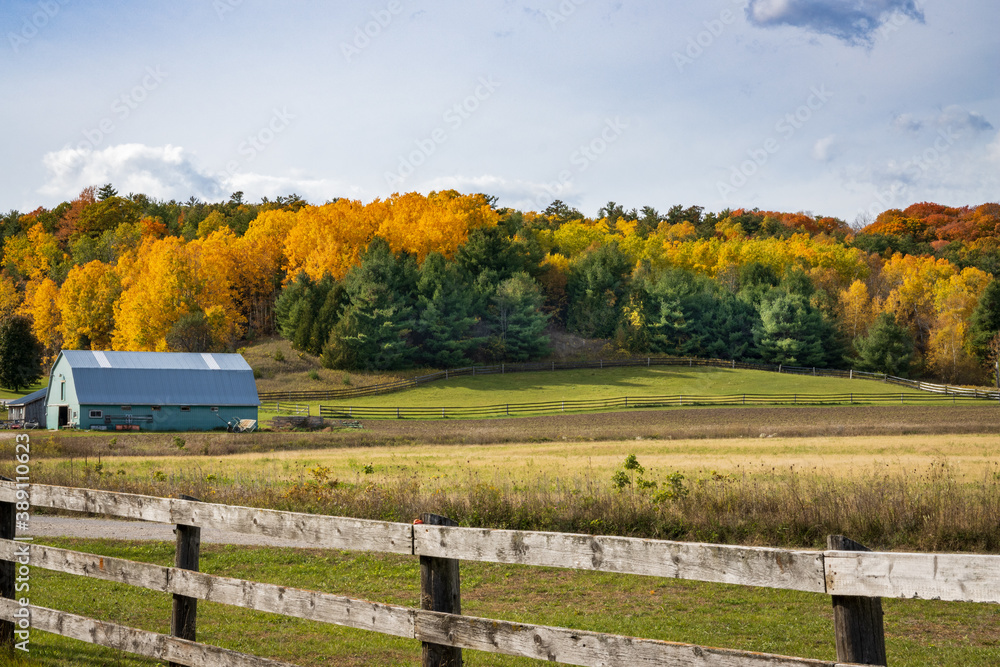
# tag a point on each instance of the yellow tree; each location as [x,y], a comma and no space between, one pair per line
[857,312]
[39,305]
[86,305]
[34,255]
[912,281]
[10,297]
[954,301]
[439,222]
[331,238]
[163,281]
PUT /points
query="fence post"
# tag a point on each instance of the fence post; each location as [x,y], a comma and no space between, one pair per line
[183,619]
[7,571]
[858,624]
[440,590]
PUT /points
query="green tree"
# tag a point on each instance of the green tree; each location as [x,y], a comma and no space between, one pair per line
[191,333]
[442,330]
[106,191]
[597,288]
[374,330]
[306,311]
[984,324]
[791,331]
[888,347]
[20,354]
[518,321]
[107,214]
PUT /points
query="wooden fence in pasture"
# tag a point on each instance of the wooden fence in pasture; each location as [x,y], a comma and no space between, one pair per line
[854,579]
[627,403]
[387,387]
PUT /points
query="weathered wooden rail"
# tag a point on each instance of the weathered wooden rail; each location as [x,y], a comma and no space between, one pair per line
[849,577]
[631,403]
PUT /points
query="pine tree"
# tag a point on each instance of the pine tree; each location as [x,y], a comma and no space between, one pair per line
[888,347]
[791,331]
[442,330]
[984,324]
[518,321]
[374,330]
[597,287]
[20,354]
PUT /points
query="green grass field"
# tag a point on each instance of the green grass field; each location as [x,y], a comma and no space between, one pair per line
[753,619]
[587,384]
[610,383]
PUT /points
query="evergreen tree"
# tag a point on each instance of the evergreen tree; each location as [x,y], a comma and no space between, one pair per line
[597,288]
[888,347]
[984,324]
[20,354]
[791,331]
[306,311]
[518,321]
[373,331]
[442,330]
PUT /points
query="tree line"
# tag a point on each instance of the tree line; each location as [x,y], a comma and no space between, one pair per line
[447,279]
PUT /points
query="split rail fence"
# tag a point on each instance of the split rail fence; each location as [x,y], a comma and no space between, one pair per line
[387,387]
[626,403]
[854,579]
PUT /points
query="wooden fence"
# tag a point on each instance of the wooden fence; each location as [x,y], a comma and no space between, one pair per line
[387,387]
[854,579]
[626,403]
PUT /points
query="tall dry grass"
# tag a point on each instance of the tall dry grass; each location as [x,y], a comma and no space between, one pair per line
[928,509]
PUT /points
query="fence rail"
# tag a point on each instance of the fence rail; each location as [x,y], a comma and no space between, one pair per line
[627,403]
[279,407]
[388,387]
[838,573]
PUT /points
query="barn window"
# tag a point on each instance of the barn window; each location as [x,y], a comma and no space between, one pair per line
[215,409]
[62,390]
[185,408]
[126,408]
[155,408]
[96,414]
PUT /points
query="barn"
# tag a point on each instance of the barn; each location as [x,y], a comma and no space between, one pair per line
[30,408]
[155,391]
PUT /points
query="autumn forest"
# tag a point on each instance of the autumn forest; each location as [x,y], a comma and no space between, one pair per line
[447,279]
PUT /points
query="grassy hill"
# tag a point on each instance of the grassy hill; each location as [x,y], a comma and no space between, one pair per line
[584,384]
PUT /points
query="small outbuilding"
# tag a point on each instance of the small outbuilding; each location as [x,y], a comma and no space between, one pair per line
[28,409]
[155,391]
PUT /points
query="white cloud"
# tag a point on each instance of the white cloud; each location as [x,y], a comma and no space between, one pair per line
[961,119]
[852,21]
[168,172]
[164,172]
[824,149]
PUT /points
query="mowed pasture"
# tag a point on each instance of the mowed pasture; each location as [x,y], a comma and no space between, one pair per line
[614,383]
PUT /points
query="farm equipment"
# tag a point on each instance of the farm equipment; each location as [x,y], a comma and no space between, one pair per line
[242,425]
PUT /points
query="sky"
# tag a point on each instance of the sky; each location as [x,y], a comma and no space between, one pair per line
[831,107]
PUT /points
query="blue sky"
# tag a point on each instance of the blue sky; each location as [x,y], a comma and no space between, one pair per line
[836,107]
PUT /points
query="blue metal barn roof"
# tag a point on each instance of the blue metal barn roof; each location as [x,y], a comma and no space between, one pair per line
[30,398]
[161,378]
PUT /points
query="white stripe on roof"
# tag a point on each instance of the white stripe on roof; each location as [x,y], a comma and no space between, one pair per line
[102,359]
[210,360]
